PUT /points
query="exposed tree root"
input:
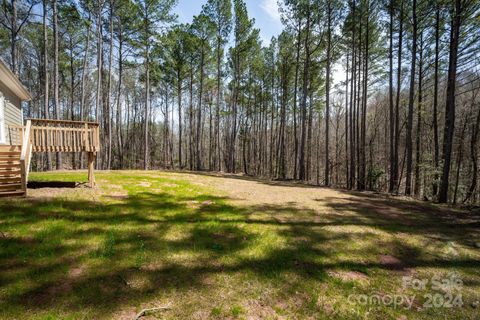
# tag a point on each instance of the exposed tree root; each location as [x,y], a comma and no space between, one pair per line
[148,310]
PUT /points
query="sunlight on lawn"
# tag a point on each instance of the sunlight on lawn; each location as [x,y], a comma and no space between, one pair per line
[150,239]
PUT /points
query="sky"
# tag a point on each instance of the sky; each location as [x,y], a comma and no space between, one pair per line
[267,19]
[265,13]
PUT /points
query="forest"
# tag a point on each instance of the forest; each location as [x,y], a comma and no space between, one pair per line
[212,96]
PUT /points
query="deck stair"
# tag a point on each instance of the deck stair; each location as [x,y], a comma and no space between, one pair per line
[11,172]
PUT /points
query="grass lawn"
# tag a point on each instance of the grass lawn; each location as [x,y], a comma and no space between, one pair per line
[213,247]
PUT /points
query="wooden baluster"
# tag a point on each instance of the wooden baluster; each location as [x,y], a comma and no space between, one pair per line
[42,139]
[86,138]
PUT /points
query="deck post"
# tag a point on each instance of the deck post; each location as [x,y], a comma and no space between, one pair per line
[91,176]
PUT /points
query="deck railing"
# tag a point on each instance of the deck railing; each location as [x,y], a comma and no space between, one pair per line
[43,135]
[15,134]
[64,136]
[26,155]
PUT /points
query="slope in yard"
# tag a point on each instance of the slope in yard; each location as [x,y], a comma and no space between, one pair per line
[227,247]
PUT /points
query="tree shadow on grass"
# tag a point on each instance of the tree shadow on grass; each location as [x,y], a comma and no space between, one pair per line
[273,183]
[410,217]
[88,254]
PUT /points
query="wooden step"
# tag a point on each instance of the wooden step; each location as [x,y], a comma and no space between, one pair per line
[10,186]
[16,179]
[12,172]
[4,148]
[16,193]
[8,170]
[10,165]
[10,153]
[9,161]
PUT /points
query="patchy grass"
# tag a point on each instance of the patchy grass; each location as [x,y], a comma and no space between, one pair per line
[229,248]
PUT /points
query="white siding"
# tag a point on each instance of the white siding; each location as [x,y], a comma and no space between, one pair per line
[12,116]
[2,120]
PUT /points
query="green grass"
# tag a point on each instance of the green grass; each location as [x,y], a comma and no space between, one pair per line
[149,239]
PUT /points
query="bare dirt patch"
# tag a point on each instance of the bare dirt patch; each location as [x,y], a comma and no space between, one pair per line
[394,264]
[126,314]
[47,192]
[118,196]
[391,262]
[325,204]
[349,275]
[76,272]
[257,310]
[144,184]
[246,191]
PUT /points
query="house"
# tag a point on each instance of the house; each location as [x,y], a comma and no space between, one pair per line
[12,94]
[18,141]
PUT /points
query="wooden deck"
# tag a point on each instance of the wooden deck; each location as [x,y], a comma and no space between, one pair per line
[64,136]
[44,135]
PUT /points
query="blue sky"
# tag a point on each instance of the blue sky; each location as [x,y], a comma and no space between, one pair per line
[265,13]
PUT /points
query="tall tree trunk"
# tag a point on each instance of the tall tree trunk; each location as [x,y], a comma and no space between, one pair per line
[190,121]
[309,137]
[418,144]
[397,100]
[272,122]
[198,163]
[450,101]
[473,156]
[56,74]
[358,104]
[210,135]
[180,124]
[327,93]
[72,93]
[109,88]
[295,94]
[45,74]
[391,185]
[119,124]
[146,153]
[347,168]
[459,158]
[98,98]
[411,97]
[83,112]
[218,162]
[436,144]
[233,138]
[303,105]
[353,89]
[362,178]
[281,170]
[166,129]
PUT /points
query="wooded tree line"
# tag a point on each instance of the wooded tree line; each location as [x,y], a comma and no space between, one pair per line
[210,95]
